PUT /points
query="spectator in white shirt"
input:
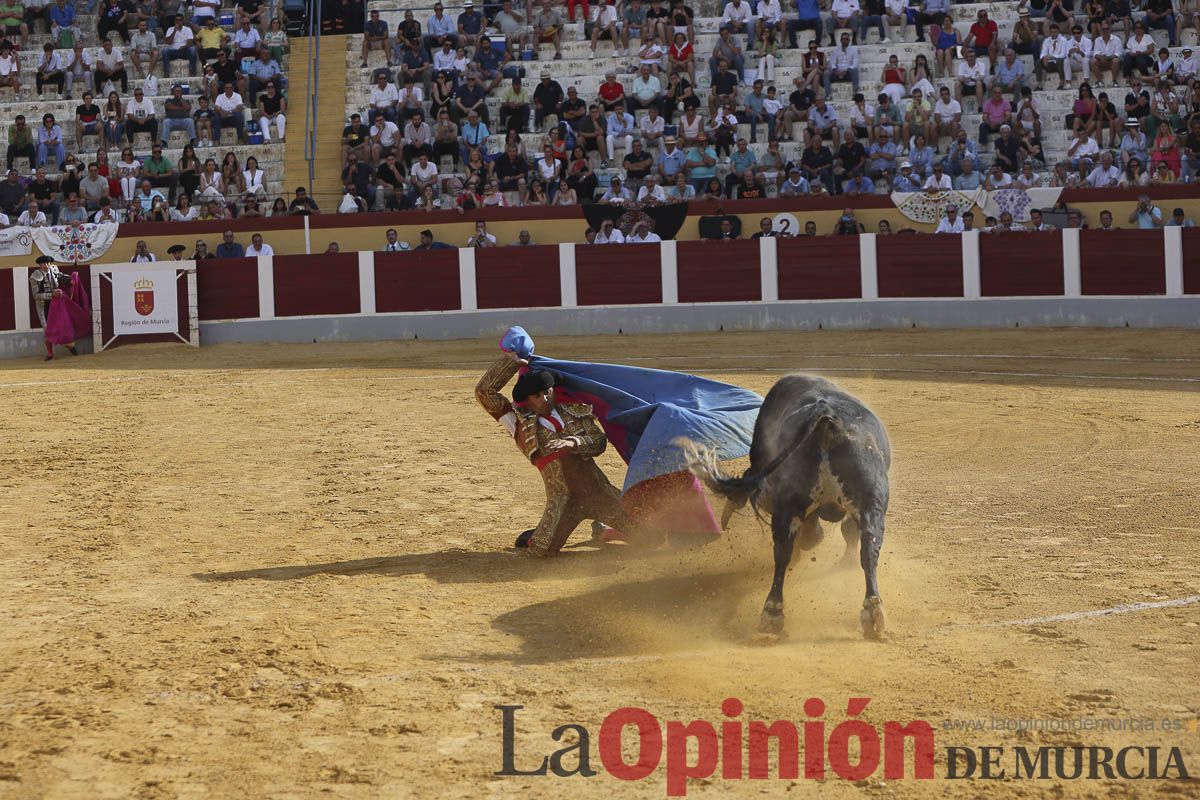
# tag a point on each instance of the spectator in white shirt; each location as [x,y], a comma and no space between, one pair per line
[651,193]
[257,248]
[383,99]
[951,223]
[845,14]
[938,181]
[141,254]
[1106,54]
[843,64]
[110,66]
[1107,175]
[652,126]
[140,116]
[1079,52]
[641,233]
[31,217]
[1054,56]
[609,233]
[971,77]
[1081,151]
[229,112]
[736,18]
[247,40]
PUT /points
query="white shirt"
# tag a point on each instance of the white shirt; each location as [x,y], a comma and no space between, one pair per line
[402,95]
[179,38]
[110,61]
[141,110]
[651,237]
[1005,181]
[844,59]
[945,112]
[1142,45]
[387,131]
[616,237]
[1082,44]
[1103,178]
[1055,47]
[385,97]
[140,259]
[657,193]
[246,40]
[33,222]
[228,103]
[52,64]
[944,184]
[1186,66]
[605,15]
[254,180]
[770,10]
[1088,148]
[652,127]
[652,55]
[1110,48]
[971,74]
[739,13]
[946,226]
[443,61]
[265,250]
[842,9]
[424,174]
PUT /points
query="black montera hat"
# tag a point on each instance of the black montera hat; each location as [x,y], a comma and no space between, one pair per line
[45,260]
[532,382]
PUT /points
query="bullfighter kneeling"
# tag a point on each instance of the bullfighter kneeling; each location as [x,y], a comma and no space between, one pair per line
[561,440]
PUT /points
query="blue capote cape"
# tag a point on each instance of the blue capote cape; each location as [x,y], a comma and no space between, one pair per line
[643,410]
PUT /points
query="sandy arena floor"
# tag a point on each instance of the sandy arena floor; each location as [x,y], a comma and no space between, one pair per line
[283,571]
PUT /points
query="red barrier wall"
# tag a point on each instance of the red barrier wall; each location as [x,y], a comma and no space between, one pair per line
[318,284]
[8,311]
[1020,264]
[517,277]
[227,288]
[425,280]
[1128,262]
[604,276]
[719,271]
[1191,260]
[813,268]
[920,265]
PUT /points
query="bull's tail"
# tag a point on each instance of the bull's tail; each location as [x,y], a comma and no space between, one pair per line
[702,461]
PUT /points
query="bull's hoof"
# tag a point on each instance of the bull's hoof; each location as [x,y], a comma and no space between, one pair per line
[770,623]
[872,618]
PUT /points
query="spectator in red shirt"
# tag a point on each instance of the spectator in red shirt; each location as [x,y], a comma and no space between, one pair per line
[984,35]
[611,92]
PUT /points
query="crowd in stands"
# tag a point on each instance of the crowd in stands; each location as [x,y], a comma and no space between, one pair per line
[236,85]
[681,139]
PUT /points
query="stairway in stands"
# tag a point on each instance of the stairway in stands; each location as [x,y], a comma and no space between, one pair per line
[331,93]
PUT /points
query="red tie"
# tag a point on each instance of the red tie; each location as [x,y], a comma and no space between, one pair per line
[554,423]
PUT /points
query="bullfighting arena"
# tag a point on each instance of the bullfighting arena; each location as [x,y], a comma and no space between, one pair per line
[286,571]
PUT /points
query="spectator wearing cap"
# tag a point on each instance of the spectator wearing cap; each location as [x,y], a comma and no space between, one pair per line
[671,160]
[616,193]
[175,251]
[470,24]
[906,181]
[951,222]
[1186,68]
[796,185]
[1134,143]
[547,99]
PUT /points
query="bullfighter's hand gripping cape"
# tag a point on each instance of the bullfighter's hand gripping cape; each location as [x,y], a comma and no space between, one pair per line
[642,411]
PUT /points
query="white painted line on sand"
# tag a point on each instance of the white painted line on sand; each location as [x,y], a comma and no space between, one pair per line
[1103,612]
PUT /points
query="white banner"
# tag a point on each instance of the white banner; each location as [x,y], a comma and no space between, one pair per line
[76,244]
[145,300]
[16,241]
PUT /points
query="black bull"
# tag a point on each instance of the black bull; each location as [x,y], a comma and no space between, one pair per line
[818,454]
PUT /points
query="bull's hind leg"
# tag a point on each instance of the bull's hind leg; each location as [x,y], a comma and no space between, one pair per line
[853,536]
[771,621]
[871,616]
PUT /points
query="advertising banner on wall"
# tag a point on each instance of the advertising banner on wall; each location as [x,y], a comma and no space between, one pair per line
[144,300]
